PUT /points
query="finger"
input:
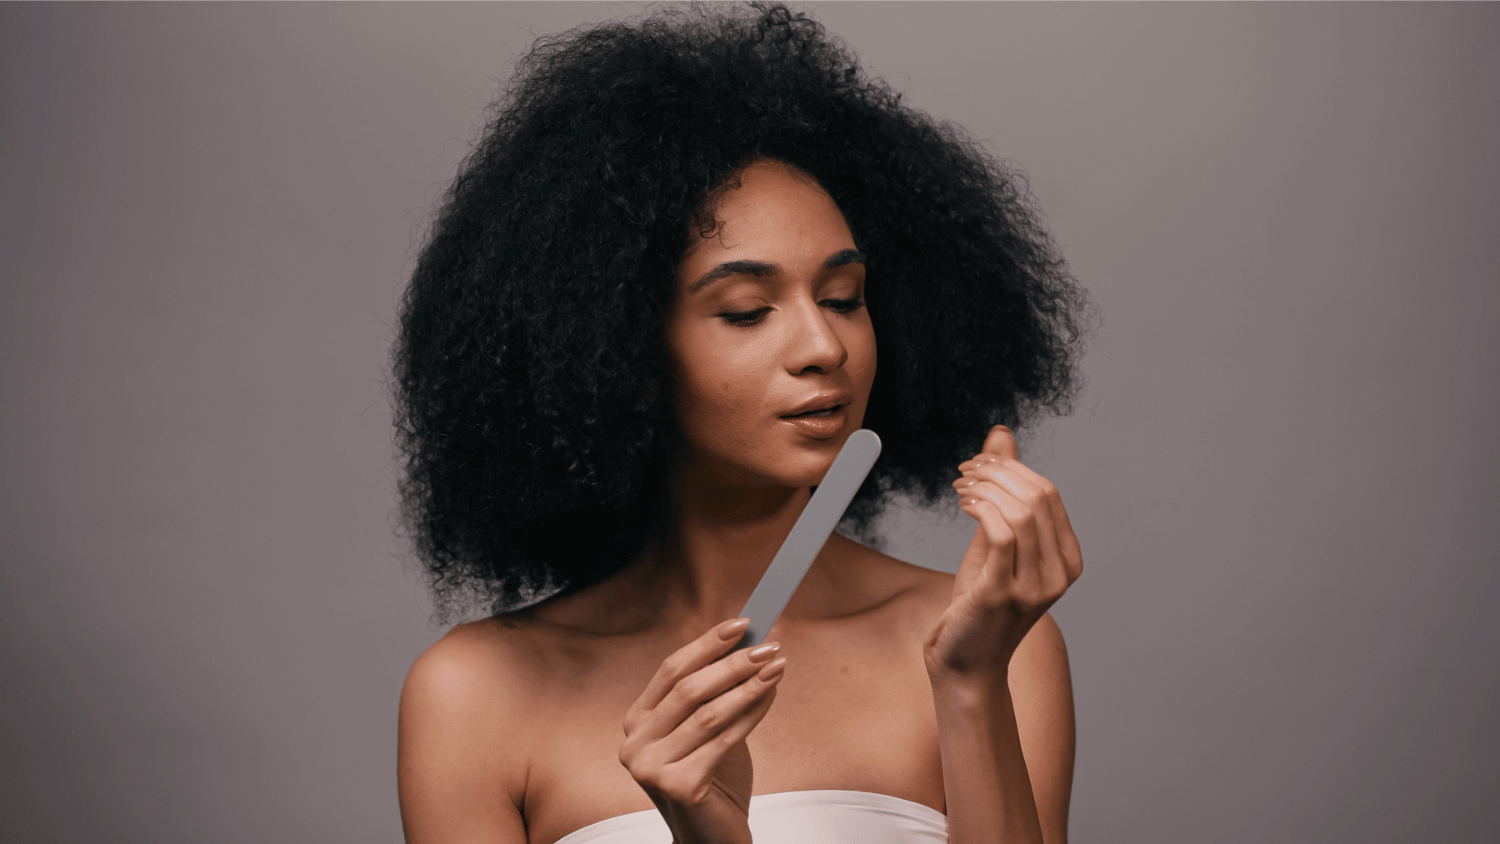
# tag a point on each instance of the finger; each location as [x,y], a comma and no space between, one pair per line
[994,579]
[1001,441]
[998,540]
[703,686]
[689,658]
[701,762]
[1026,568]
[1027,495]
[714,717]
[1067,540]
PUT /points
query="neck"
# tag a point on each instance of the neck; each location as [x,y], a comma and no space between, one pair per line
[721,540]
[720,537]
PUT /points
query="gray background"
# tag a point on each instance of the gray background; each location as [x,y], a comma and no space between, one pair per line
[1279,469]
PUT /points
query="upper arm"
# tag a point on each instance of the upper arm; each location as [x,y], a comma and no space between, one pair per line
[1042,693]
[459,779]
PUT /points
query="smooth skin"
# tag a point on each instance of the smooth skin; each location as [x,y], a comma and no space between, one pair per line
[880,676]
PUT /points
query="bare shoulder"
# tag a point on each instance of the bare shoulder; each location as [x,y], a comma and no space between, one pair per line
[464,708]
[474,667]
[916,595]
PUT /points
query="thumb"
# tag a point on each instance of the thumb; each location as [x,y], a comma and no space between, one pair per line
[1001,441]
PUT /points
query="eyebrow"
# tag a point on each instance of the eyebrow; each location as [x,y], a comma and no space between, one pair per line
[760,269]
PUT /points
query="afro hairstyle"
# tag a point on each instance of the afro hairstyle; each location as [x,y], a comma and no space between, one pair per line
[533,401]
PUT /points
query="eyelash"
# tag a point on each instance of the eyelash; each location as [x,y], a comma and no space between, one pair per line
[747,318]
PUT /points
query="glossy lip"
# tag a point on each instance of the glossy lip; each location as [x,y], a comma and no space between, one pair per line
[820,427]
[822,401]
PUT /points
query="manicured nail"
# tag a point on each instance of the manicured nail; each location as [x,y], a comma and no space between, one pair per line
[733,629]
[763,653]
[772,671]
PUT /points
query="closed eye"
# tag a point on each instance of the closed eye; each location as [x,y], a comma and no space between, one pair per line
[744,317]
[844,306]
[753,317]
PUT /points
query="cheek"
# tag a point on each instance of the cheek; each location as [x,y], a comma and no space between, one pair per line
[862,358]
[707,387]
[722,391]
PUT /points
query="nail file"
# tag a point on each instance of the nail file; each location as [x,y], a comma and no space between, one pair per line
[802,545]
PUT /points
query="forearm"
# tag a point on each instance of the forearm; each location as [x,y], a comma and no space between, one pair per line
[985,780]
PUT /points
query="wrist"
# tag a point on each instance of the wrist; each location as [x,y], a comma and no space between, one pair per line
[982,689]
[964,668]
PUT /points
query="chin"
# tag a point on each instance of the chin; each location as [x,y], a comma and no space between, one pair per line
[809,467]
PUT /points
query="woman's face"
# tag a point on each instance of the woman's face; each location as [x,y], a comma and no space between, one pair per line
[768,322]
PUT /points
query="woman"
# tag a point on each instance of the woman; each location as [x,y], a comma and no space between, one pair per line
[645,323]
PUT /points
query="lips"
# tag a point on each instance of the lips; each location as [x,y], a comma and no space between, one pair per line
[819,406]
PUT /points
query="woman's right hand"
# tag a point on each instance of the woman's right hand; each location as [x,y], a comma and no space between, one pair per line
[685,734]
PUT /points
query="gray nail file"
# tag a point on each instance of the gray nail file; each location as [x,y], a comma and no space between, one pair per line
[802,545]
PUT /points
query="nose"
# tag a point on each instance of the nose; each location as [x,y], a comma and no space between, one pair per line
[813,345]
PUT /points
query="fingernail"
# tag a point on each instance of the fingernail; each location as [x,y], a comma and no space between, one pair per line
[772,671]
[733,629]
[964,483]
[763,653]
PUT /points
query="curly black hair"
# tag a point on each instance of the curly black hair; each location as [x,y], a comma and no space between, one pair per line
[533,390]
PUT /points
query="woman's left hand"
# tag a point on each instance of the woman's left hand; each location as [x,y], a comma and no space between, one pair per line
[1023,557]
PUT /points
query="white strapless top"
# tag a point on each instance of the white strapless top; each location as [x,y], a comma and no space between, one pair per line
[795,817]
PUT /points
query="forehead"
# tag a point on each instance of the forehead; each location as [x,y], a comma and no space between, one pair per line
[771,212]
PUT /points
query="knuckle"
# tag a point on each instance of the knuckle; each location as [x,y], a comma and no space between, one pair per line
[1000,534]
[673,666]
[1024,593]
[649,769]
[706,717]
[631,759]
[689,688]
[1040,595]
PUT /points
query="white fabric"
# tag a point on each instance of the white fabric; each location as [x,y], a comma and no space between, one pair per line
[795,817]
